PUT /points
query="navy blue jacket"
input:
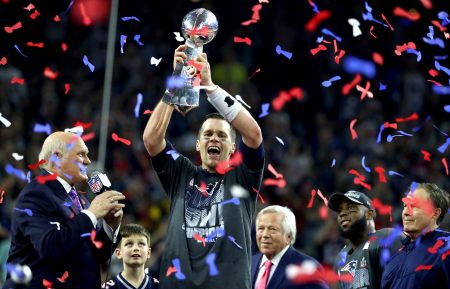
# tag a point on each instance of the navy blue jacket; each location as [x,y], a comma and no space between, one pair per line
[279,280]
[49,241]
[417,266]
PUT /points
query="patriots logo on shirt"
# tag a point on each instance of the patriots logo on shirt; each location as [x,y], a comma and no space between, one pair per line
[350,267]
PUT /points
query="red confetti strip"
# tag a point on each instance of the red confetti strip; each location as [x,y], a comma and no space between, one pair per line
[256,8]
[44,179]
[50,74]
[371,29]
[29,7]
[88,136]
[225,166]
[313,194]
[35,166]
[312,24]
[170,270]
[352,130]
[281,183]
[338,57]
[14,27]
[445,255]
[64,46]
[202,189]
[384,18]
[435,82]
[248,22]
[57,18]
[115,137]
[204,31]
[97,244]
[381,174]
[3,61]
[349,86]
[444,162]
[356,173]
[427,4]
[433,72]
[357,181]
[321,47]
[400,12]
[259,195]
[1,196]
[257,70]
[423,267]
[274,172]
[413,116]
[399,49]
[197,237]
[245,40]
[323,212]
[63,278]
[39,45]
[47,284]
[382,208]
[86,20]
[66,88]
[390,125]
[426,155]
[378,58]
[285,96]
[85,125]
[17,80]
[412,201]
[147,111]
[326,275]
[35,14]
[335,45]
[438,25]
[436,246]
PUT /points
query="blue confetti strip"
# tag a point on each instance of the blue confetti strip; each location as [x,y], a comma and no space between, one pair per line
[68,8]
[210,260]
[88,64]
[286,54]
[355,65]
[443,147]
[392,173]
[137,38]
[123,39]
[329,33]
[380,132]
[342,258]
[366,168]
[382,87]
[439,67]
[26,211]
[232,239]
[85,235]
[329,82]
[139,99]
[231,201]
[178,274]
[418,53]
[447,107]
[441,90]
[265,110]
[16,172]
[173,153]
[38,128]
[17,48]
[127,18]
[333,163]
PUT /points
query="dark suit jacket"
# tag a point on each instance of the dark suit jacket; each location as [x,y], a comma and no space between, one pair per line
[279,280]
[51,251]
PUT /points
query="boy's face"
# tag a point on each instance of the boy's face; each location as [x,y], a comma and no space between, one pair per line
[133,250]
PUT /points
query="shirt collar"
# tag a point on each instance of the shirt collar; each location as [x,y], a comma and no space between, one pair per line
[63,182]
[275,260]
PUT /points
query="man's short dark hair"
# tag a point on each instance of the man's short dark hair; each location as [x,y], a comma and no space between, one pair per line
[216,115]
[439,197]
[133,230]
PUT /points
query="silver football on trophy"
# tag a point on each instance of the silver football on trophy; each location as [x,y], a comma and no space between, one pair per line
[198,27]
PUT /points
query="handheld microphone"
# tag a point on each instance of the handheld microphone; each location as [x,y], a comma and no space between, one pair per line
[99,182]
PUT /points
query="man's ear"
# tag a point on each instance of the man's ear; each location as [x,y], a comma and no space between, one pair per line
[437,212]
[370,215]
[233,148]
[197,145]
[149,253]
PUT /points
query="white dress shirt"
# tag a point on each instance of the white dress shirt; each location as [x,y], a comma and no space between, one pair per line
[275,261]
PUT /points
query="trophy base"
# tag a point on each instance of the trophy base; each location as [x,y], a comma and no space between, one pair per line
[183,110]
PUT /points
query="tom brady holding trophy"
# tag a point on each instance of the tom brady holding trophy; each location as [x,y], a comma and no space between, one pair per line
[198,27]
[208,242]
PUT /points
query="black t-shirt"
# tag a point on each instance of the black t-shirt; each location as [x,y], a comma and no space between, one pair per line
[366,262]
[208,239]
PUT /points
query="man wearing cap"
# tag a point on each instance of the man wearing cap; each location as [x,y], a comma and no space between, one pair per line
[368,250]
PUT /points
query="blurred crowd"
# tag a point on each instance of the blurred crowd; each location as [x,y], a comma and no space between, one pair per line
[308,141]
